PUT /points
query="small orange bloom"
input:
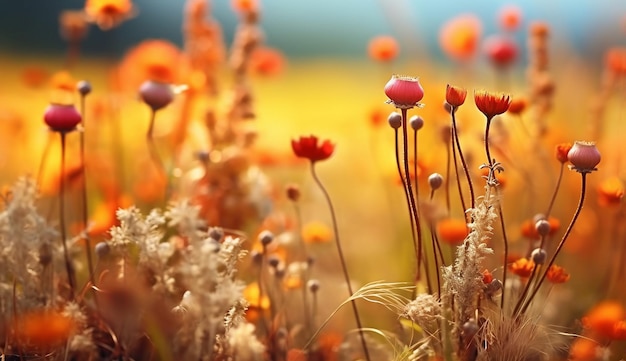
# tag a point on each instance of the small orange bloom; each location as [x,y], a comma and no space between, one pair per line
[557,274]
[523,267]
[378,116]
[108,14]
[383,48]
[256,304]
[63,80]
[487,277]
[583,349]
[156,60]
[73,25]
[491,104]
[43,329]
[530,231]
[615,60]
[459,36]
[34,76]
[296,355]
[510,18]
[245,5]
[610,191]
[452,230]
[518,105]
[316,232]
[619,331]
[603,317]
[562,150]
[267,61]
[293,282]
[539,29]
[455,96]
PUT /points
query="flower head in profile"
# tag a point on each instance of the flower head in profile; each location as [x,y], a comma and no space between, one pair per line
[491,104]
[109,13]
[557,274]
[404,92]
[584,156]
[311,149]
[455,96]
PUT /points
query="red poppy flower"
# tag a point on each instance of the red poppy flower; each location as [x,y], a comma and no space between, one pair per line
[309,147]
[455,95]
[491,104]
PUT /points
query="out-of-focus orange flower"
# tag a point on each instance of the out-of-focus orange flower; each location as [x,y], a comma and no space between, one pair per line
[109,13]
[156,60]
[452,230]
[523,267]
[610,191]
[459,37]
[267,61]
[73,25]
[487,277]
[245,5]
[501,50]
[539,29]
[316,232]
[557,274]
[603,317]
[63,80]
[378,116]
[518,105]
[530,231]
[296,355]
[562,150]
[293,282]
[510,17]
[43,329]
[583,349]
[328,346]
[619,330]
[491,104]
[257,304]
[500,176]
[615,60]
[34,76]
[383,48]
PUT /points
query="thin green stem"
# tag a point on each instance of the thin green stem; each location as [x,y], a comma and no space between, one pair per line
[342,259]
[68,265]
[583,189]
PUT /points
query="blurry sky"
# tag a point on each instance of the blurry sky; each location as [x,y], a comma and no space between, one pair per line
[317,28]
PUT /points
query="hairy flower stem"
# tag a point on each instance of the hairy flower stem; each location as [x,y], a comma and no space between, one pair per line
[556,191]
[465,169]
[583,189]
[412,200]
[411,218]
[68,265]
[342,259]
[84,190]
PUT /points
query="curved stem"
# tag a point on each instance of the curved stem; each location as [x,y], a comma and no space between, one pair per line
[447,178]
[458,180]
[66,256]
[84,190]
[563,239]
[489,159]
[556,191]
[342,259]
[465,168]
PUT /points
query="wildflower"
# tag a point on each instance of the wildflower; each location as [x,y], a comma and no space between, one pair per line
[615,60]
[109,13]
[295,354]
[584,156]
[487,277]
[156,60]
[501,50]
[562,150]
[73,25]
[510,17]
[29,331]
[377,116]
[156,95]
[557,274]
[455,96]
[62,118]
[383,48]
[619,330]
[529,227]
[539,29]
[523,267]
[245,5]
[34,76]
[603,317]
[267,61]
[518,105]
[63,81]
[308,147]
[452,230]
[610,191]
[583,349]
[316,232]
[459,37]
[404,92]
[491,104]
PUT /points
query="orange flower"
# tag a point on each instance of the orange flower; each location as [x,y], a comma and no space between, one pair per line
[562,150]
[383,48]
[603,317]
[610,191]
[109,13]
[619,330]
[43,329]
[510,17]
[452,230]
[293,282]
[378,116]
[316,232]
[583,349]
[459,37]
[295,354]
[530,231]
[523,267]
[518,105]
[34,76]
[73,25]
[557,274]
[491,104]
[487,277]
[455,96]
[156,60]
[63,80]
[245,5]
[539,29]
[615,60]
[256,304]
[500,176]
[267,61]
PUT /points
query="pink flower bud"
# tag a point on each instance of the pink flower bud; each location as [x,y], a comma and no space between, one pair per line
[156,95]
[404,91]
[584,156]
[62,117]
